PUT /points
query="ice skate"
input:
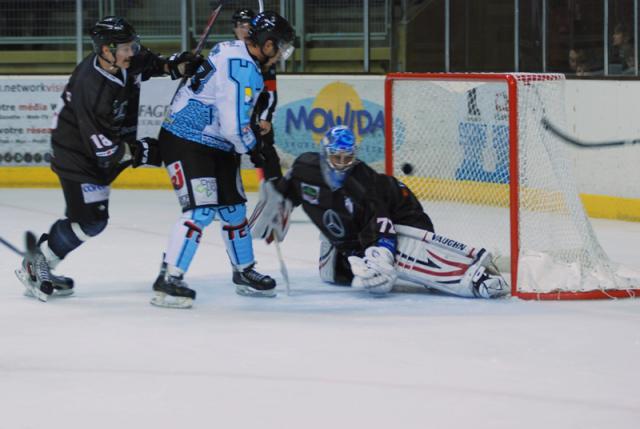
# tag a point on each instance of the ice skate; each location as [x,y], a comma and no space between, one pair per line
[62,286]
[249,282]
[35,275]
[171,291]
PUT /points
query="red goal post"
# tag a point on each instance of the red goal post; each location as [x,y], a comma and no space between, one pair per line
[462,137]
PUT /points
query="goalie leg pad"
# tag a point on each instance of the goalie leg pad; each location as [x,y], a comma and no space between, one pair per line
[270,218]
[327,262]
[237,235]
[185,237]
[447,244]
[333,265]
[457,270]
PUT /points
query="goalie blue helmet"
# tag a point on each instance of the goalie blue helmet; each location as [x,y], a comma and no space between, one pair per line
[338,155]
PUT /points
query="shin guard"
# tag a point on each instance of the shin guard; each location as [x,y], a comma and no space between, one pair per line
[237,235]
[185,237]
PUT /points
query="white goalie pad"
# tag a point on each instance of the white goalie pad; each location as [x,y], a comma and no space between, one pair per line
[327,261]
[446,264]
[270,217]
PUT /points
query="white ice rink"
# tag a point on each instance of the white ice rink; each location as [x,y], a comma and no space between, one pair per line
[324,357]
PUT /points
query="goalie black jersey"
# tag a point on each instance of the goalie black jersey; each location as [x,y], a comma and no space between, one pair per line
[98,115]
[359,214]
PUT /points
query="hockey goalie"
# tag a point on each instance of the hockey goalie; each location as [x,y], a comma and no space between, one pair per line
[373,228]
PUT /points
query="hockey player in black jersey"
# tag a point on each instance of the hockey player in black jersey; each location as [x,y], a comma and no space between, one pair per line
[262,119]
[93,139]
[373,228]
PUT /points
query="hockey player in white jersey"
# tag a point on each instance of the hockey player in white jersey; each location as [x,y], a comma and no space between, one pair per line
[207,129]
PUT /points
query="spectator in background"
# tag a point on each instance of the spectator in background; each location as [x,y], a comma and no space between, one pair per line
[582,69]
[576,56]
[583,62]
[621,57]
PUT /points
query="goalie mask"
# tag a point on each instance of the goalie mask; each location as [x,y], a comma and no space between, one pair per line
[338,155]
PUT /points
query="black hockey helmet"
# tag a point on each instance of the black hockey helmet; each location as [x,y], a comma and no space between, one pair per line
[111,31]
[268,25]
[243,15]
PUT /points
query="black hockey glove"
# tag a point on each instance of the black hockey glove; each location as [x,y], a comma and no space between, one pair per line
[255,155]
[145,152]
[110,157]
[184,64]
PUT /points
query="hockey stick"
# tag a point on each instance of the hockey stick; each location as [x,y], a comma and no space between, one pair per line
[283,268]
[582,144]
[260,6]
[30,244]
[203,39]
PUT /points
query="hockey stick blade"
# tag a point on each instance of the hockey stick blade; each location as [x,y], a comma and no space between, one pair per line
[582,144]
[30,242]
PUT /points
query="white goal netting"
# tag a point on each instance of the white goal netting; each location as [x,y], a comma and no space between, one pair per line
[452,140]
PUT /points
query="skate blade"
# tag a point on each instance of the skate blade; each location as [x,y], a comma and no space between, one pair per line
[31,291]
[63,292]
[244,290]
[167,301]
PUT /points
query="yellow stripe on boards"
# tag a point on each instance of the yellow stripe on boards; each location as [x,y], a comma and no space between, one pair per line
[497,195]
[138,178]
[598,206]
[604,206]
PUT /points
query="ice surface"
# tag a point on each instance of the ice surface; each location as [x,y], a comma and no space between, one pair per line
[323,357]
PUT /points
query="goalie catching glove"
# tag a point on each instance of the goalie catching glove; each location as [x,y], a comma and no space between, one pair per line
[270,218]
[145,152]
[375,272]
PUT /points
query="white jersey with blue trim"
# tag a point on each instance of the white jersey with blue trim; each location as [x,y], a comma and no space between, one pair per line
[214,108]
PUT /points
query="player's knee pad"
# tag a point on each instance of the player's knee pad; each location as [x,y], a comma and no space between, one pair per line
[237,235]
[201,216]
[90,229]
[65,236]
[186,235]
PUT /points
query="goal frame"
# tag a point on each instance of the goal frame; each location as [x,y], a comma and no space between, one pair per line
[514,190]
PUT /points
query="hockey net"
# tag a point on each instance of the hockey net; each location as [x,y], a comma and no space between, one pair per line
[472,148]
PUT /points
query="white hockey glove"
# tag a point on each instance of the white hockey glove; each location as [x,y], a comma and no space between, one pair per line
[375,272]
[270,218]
